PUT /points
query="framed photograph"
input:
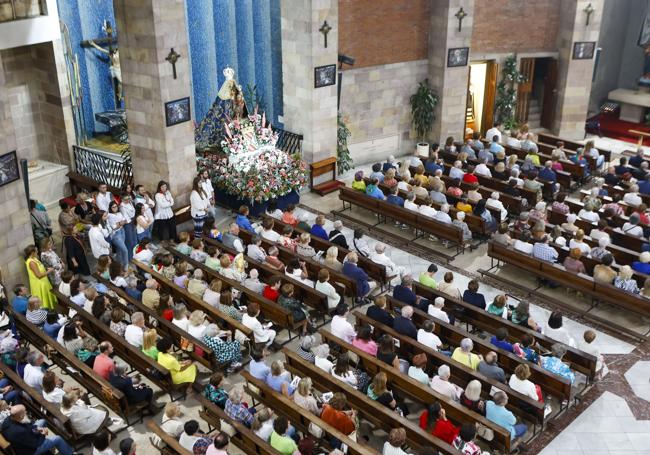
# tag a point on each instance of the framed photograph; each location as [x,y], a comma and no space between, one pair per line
[324,76]
[457,56]
[584,50]
[177,111]
[9,171]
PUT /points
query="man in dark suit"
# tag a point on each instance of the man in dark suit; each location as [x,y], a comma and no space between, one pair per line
[378,312]
[135,394]
[336,236]
[403,324]
[404,293]
[27,438]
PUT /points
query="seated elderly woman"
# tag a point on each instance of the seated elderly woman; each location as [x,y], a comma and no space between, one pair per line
[464,354]
[494,203]
[460,222]
[441,384]
[572,262]
[83,418]
[279,379]
[625,280]
[236,409]
[554,364]
[196,285]
[297,309]
[225,351]
[303,248]
[331,259]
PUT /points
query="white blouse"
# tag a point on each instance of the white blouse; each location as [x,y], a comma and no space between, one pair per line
[164,204]
[199,204]
[114,219]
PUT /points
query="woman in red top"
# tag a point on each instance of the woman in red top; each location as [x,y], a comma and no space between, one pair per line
[272,290]
[165,306]
[434,420]
[335,414]
[469,177]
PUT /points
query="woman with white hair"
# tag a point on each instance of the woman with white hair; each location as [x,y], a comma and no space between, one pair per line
[197,324]
[305,348]
[464,354]
[180,317]
[632,196]
[493,202]
[380,257]
[471,397]
[443,214]
[235,408]
[336,235]
[570,225]
[456,172]
[332,259]
[440,383]
[303,248]
[539,212]
[224,351]
[460,222]
[625,280]
[587,212]
[321,353]
[196,286]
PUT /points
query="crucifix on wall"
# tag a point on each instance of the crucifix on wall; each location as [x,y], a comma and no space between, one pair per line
[325,29]
[172,58]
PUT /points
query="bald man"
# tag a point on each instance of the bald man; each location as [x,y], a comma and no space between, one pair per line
[29,438]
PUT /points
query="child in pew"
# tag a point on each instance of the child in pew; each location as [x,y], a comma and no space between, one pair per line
[183,246]
[586,345]
[526,349]
[64,285]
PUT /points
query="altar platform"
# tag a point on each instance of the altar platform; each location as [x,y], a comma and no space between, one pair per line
[633,103]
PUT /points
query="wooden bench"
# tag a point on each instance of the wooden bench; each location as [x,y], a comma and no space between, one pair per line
[571,145]
[408,386]
[172,446]
[79,371]
[299,417]
[368,410]
[461,375]
[481,319]
[244,438]
[323,167]
[201,352]
[271,310]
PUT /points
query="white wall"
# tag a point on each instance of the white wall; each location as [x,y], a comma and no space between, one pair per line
[36,30]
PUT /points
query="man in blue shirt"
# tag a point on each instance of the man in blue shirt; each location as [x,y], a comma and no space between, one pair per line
[318,230]
[257,368]
[500,339]
[495,411]
[243,221]
[495,147]
[547,172]
[622,166]
[431,166]
[404,293]
[353,271]
[19,302]
[394,198]
[403,325]
[376,173]
[643,264]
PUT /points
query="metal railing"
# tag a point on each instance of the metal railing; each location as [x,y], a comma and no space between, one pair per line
[289,142]
[12,10]
[101,168]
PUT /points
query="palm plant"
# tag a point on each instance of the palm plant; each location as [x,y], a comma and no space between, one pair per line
[506,101]
[423,106]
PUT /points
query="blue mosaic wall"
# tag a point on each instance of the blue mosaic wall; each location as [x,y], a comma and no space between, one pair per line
[242,34]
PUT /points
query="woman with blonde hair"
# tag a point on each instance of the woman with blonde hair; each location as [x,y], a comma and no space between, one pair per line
[149,343]
[578,242]
[304,398]
[389,177]
[303,248]
[39,284]
[180,316]
[212,294]
[228,270]
[171,422]
[378,391]
[197,324]
[519,382]
[645,291]
[512,161]
[262,424]
[471,397]
[331,259]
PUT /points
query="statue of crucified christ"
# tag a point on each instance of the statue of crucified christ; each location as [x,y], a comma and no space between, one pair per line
[113,54]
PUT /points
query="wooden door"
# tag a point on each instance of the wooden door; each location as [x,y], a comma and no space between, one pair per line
[489,96]
[550,95]
[524,89]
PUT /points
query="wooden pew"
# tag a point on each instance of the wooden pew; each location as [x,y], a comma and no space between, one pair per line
[512,203]
[553,384]
[203,355]
[271,310]
[244,439]
[369,410]
[79,371]
[580,361]
[571,145]
[172,446]
[299,417]
[461,375]
[133,356]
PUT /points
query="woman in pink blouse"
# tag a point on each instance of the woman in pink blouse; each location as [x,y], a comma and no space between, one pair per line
[364,341]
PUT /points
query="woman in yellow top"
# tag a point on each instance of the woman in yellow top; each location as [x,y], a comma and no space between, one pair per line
[464,354]
[358,183]
[463,206]
[39,284]
[182,372]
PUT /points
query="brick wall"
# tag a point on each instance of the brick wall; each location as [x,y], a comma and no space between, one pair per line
[515,26]
[378,32]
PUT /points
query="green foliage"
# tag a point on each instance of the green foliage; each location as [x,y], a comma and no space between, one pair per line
[506,100]
[253,98]
[423,106]
[344,161]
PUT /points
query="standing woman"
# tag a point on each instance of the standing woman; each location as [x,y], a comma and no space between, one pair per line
[127,210]
[164,225]
[39,285]
[142,222]
[75,254]
[52,261]
[199,205]
[116,222]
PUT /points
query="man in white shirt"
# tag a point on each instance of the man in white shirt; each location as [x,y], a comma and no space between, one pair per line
[103,197]
[341,328]
[482,169]
[440,383]
[206,184]
[380,257]
[33,375]
[427,210]
[631,227]
[442,215]
[409,203]
[427,337]
[494,131]
[436,310]
[190,435]
[267,231]
[141,197]
[253,282]
[632,197]
[456,172]
[96,237]
[134,332]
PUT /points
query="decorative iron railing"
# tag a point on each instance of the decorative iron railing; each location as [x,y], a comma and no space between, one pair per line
[104,169]
[289,142]
[12,10]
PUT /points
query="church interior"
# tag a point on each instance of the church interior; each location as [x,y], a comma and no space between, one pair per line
[308,227]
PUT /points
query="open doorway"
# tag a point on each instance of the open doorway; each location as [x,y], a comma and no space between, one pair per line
[481,91]
[536,96]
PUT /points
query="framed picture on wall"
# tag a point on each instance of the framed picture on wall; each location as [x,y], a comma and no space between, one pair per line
[584,50]
[324,76]
[9,171]
[177,111]
[457,56]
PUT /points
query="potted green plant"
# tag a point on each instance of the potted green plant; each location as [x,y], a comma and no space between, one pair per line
[423,106]
[343,158]
[506,99]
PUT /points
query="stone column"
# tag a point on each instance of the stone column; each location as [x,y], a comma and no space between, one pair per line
[147,30]
[450,83]
[15,225]
[307,110]
[574,78]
